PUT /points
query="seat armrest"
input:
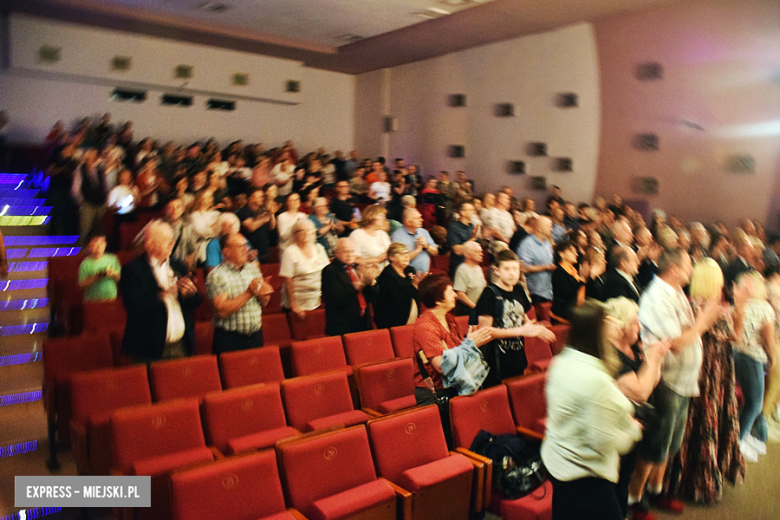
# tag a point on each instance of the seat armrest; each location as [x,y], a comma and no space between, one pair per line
[404,501]
[529,434]
[478,483]
[218,455]
[488,481]
[372,413]
[116,472]
[295,513]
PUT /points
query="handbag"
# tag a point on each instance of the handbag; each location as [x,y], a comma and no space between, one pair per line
[517,464]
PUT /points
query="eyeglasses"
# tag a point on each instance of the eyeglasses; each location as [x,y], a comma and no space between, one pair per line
[244,245]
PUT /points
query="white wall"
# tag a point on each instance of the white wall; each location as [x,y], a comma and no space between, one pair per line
[527,72]
[36,95]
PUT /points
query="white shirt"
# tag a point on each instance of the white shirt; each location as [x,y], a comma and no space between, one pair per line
[381,190]
[122,198]
[166,279]
[470,280]
[283,176]
[589,423]
[369,246]
[500,220]
[305,274]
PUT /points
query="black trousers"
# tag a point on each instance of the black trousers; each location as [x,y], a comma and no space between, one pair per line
[588,498]
[227,341]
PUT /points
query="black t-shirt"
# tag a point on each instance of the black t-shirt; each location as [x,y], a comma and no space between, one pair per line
[341,209]
[259,238]
[515,305]
[627,364]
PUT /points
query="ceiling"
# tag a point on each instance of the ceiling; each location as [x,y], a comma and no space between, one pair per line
[350,36]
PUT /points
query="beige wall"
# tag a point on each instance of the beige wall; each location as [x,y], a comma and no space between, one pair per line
[526,71]
[721,60]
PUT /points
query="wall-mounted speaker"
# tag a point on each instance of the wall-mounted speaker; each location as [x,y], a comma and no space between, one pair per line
[240,79]
[517,167]
[391,124]
[49,54]
[646,142]
[121,63]
[121,94]
[537,149]
[539,183]
[563,164]
[183,72]
[567,100]
[176,100]
[646,185]
[220,104]
[456,151]
[650,71]
[741,163]
[457,100]
[292,86]
[505,110]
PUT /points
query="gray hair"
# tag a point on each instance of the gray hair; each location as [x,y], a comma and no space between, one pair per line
[229,219]
[621,309]
[301,225]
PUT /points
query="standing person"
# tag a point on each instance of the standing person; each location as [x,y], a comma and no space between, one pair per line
[500,222]
[589,423]
[342,209]
[228,224]
[397,302]
[99,272]
[257,222]
[286,219]
[469,279]
[503,306]
[370,238]
[460,232]
[347,291]
[301,270]
[568,282]
[238,294]
[90,192]
[419,242]
[64,208]
[325,225]
[666,314]
[620,280]
[536,251]
[710,456]
[754,353]
[160,306]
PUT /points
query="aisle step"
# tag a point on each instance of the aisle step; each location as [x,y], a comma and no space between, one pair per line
[22,422]
[17,253]
[21,305]
[41,240]
[24,221]
[30,315]
[27,348]
[18,377]
[28,267]
[13,210]
[23,285]
[23,330]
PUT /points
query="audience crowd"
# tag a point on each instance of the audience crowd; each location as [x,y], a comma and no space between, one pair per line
[690,312]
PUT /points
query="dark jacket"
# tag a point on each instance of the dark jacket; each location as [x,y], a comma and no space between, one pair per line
[394,302]
[342,307]
[565,291]
[615,286]
[147,316]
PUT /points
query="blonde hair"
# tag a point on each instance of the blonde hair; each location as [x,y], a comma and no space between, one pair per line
[622,309]
[396,248]
[370,214]
[759,285]
[707,279]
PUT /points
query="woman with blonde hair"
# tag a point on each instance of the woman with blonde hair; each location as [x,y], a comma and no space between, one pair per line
[301,270]
[397,303]
[710,454]
[371,238]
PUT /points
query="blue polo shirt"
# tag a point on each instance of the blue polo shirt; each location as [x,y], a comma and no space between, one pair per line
[533,252]
[421,262]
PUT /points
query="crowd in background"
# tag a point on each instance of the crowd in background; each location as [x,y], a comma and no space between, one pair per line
[693,309]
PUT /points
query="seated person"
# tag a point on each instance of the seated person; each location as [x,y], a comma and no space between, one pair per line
[99,272]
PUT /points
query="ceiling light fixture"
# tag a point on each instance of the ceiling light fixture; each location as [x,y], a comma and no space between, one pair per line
[214,7]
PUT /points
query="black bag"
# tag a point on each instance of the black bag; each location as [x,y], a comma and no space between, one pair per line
[517,465]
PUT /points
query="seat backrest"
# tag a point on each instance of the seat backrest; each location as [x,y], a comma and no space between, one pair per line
[140,432]
[238,488]
[385,381]
[104,316]
[536,350]
[527,399]
[369,346]
[406,440]
[463,324]
[241,411]
[311,326]
[270,269]
[276,331]
[561,338]
[65,356]
[251,367]
[204,338]
[312,397]
[486,410]
[402,340]
[543,311]
[317,355]
[99,392]
[180,378]
[324,465]
[274,305]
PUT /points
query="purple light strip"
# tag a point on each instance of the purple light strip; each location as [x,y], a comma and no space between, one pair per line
[30,328]
[13,198]
[22,397]
[47,240]
[23,305]
[27,267]
[16,253]
[18,449]
[20,285]
[44,252]
[12,178]
[30,514]
[27,211]
[20,359]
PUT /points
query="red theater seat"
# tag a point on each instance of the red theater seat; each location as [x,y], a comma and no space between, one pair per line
[104,316]
[538,354]
[463,324]
[239,488]
[410,450]
[529,405]
[95,395]
[368,347]
[204,338]
[276,330]
[332,477]
[320,401]
[319,355]
[386,387]
[245,419]
[181,378]
[311,326]
[402,340]
[250,367]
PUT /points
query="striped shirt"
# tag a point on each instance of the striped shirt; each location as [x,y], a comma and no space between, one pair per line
[665,314]
[229,281]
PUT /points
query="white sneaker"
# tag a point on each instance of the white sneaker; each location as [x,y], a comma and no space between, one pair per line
[757,445]
[750,454]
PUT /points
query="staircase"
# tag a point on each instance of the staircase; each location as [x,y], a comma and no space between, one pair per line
[24,320]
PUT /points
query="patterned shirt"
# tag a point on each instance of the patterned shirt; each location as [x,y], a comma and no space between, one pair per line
[533,251]
[757,315]
[665,314]
[231,282]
